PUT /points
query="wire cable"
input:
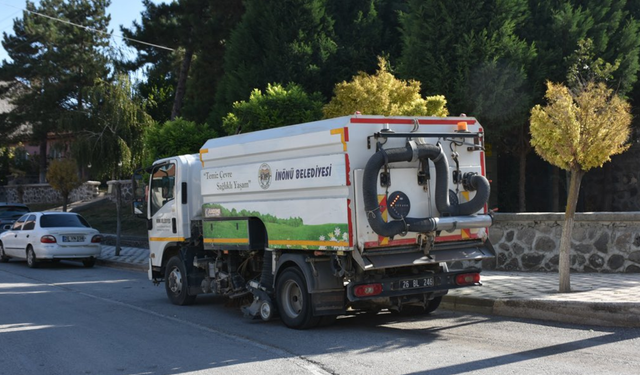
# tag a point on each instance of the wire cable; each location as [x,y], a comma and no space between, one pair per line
[92,29]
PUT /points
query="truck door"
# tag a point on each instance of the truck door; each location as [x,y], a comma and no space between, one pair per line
[162,208]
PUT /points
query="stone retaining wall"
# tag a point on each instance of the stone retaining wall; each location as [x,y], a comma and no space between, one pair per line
[126,189]
[44,193]
[601,242]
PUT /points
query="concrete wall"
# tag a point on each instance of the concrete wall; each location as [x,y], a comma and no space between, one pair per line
[44,193]
[601,242]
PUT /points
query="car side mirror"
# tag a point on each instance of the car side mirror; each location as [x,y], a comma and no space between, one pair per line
[6,227]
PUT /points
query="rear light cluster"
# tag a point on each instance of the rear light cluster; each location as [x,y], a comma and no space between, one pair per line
[48,239]
[468,279]
[51,239]
[367,290]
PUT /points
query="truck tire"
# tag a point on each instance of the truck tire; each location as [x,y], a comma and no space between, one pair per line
[176,284]
[433,305]
[410,310]
[294,301]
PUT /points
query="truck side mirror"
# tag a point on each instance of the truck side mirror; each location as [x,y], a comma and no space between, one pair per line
[140,209]
[140,194]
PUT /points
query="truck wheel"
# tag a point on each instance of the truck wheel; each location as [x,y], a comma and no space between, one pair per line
[266,310]
[294,301]
[176,284]
[433,305]
[411,310]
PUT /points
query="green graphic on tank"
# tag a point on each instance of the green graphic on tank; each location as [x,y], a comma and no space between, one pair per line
[228,229]
[282,233]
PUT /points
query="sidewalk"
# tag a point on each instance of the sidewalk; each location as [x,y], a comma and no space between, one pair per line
[597,299]
[130,257]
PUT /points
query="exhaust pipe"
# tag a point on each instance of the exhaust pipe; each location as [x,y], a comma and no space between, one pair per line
[454,216]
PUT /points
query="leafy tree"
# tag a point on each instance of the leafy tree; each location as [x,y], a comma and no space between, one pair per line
[52,62]
[110,137]
[62,175]
[560,29]
[383,94]
[277,106]
[577,131]
[290,42]
[177,137]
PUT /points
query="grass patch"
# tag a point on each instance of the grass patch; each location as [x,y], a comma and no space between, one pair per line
[36,207]
[102,216]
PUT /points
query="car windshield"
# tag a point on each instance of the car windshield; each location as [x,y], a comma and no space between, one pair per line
[63,221]
[10,212]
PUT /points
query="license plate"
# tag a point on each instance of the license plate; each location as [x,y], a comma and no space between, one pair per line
[422,282]
[72,238]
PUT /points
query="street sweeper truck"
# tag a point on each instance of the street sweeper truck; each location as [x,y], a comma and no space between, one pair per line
[311,221]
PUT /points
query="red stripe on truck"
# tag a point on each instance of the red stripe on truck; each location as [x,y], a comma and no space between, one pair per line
[409,121]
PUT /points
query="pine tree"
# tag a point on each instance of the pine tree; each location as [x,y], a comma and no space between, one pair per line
[182,82]
[291,42]
[207,70]
[51,63]
[362,33]
[470,52]
[449,46]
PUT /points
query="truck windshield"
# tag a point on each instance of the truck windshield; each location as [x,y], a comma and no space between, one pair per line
[162,189]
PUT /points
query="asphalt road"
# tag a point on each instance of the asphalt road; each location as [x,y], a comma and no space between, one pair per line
[65,319]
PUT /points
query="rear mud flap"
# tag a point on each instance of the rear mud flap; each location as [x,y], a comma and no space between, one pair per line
[450,252]
[328,303]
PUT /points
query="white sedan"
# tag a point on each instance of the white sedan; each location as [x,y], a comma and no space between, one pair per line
[53,236]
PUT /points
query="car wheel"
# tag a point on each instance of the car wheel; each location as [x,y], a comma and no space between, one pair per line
[176,284]
[32,262]
[3,257]
[294,301]
[89,262]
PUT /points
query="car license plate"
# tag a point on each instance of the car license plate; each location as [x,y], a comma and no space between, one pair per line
[72,238]
[422,282]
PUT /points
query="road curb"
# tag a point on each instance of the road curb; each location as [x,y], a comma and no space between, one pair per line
[123,265]
[618,314]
